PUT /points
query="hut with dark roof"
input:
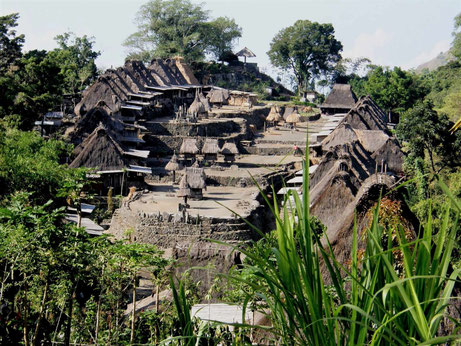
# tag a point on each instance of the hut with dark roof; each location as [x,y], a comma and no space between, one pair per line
[189,148]
[340,100]
[229,150]
[210,149]
[99,150]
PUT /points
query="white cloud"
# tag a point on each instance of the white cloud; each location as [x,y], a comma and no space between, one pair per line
[370,45]
[437,48]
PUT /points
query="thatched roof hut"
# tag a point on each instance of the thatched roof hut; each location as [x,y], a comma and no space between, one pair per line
[218,96]
[189,147]
[293,118]
[366,115]
[274,115]
[287,112]
[184,188]
[229,150]
[197,107]
[340,100]
[99,150]
[192,183]
[211,146]
[245,53]
[204,101]
[174,164]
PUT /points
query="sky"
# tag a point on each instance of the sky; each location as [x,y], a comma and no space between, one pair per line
[401,33]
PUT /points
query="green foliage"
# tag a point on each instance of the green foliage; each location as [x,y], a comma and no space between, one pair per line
[427,133]
[76,59]
[10,43]
[29,163]
[380,298]
[307,49]
[179,28]
[393,90]
[456,44]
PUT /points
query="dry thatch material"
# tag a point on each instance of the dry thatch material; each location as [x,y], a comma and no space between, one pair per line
[293,118]
[189,146]
[218,96]
[204,101]
[287,112]
[184,188]
[100,150]
[195,177]
[174,164]
[211,146]
[340,97]
[229,148]
[274,115]
[245,52]
[197,107]
[366,115]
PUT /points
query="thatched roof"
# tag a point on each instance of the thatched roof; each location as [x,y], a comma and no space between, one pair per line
[274,115]
[204,101]
[115,85]
[100,150]
[230,149]
[173,164]
[287,112]
[366,115]
[246,53]
[211,146]
[218,95]
[293,118]
[184,188]
[197,107]
[195,177]
[341,96]
[189,146]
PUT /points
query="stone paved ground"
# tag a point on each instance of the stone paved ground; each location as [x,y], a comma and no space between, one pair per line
[215,203]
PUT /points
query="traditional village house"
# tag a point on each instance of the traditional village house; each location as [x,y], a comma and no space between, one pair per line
[189,149]
[242,99]
[229,150]
[210,149]
[195,178]
[293,118]
[218,97]
[340,100]
[174,165]
[274,116]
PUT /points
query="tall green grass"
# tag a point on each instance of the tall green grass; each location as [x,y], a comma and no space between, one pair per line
[373,302]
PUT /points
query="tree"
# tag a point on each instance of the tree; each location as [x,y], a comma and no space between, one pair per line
[307,49]
[428,133]
[178,27]
[393,90]
[456,44]
[220,36]
[10,43]
[76,57]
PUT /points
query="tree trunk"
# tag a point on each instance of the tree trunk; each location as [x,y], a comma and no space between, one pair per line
[24,320]
[133,314]
[157,299]
[35,340]
[69,317]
